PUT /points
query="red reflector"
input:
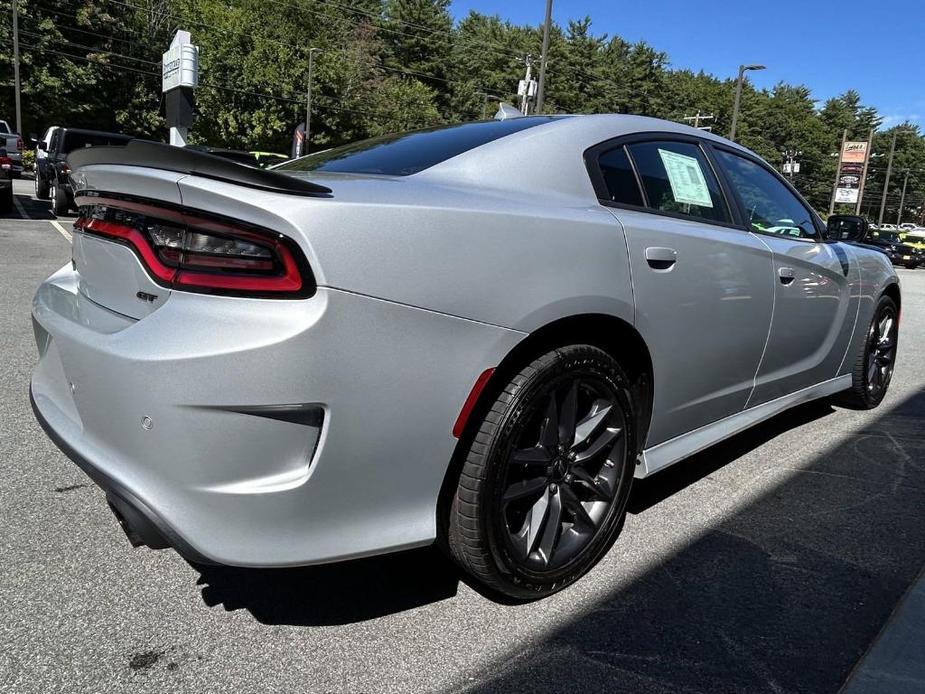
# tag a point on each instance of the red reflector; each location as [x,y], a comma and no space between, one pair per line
[469,405]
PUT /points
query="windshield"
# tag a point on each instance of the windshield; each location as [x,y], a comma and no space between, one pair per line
[75,140]
[889,237]
[408,153]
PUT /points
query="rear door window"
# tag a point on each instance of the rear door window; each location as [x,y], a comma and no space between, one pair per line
[677,178]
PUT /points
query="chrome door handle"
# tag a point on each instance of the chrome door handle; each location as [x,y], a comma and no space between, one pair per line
[660,258]
[786,274]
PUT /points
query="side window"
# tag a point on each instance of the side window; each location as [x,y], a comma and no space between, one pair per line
[619,177]
[55,136]
[677,177]
[770,208]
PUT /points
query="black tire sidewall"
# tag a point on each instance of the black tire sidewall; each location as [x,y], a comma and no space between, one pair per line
[577,359]
[872,400]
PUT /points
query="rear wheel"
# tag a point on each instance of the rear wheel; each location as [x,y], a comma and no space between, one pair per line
[544,486]
[873,367]
[58,200]
[41,186]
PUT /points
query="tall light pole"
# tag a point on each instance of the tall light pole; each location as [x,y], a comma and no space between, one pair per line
[308,97]
[541,87]
[16,66]
[735,106]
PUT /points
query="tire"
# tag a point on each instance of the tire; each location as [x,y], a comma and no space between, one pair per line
[6,200]
[531,515]
[873,366]
[911,266]
[58,200]
[41,187]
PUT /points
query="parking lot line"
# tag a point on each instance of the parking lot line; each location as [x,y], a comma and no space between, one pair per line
[20,208]
[64,232]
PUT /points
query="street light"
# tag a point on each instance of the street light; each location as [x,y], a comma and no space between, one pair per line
[735,107]
[308,96]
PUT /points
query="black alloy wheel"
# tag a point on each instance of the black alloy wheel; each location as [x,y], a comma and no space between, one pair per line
[881,350]
[544,488]
[874,364]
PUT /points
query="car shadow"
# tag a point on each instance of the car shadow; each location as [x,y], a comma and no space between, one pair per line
[363,589]
[332,594]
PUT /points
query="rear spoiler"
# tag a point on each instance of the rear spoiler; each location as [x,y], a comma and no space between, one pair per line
[156,155]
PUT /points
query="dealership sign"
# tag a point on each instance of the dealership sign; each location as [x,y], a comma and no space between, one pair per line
[851,171]
[180,63]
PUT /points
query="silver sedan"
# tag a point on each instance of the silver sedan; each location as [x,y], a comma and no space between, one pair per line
[476,334]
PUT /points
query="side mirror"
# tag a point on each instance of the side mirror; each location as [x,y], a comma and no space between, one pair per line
[846,227]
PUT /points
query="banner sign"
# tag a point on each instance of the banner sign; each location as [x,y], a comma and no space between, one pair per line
[850,172]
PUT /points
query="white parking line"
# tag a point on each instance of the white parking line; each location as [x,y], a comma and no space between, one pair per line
[20,208]
[64,232]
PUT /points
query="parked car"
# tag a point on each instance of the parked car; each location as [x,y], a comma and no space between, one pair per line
[52,169]
[477,334]
[907,226]
[268,159]
[236,155]
[12,143]
[6,183]
[899,252]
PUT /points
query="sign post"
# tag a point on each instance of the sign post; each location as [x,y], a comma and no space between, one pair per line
[850,172]
[179,76]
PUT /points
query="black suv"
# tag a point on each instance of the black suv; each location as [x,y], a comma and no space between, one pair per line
[899,253]
[51,171]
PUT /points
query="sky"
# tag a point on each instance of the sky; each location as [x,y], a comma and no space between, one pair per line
[876,48]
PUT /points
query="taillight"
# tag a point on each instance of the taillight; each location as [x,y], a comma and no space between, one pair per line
[6,163]
[65,169]
[202,254]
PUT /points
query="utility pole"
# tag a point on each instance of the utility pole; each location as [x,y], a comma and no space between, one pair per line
[308,98]
[525,86]
[16,66]
[870,148]
[541,88]
[902,200]
[886,184]
[699,117]
[841,149]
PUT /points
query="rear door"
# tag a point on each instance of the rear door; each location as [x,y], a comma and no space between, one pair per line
[701,283]
[814,311]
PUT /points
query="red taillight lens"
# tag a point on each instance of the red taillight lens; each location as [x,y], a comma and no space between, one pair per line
[202,254]
[65,169]
[19,144]
[6,163]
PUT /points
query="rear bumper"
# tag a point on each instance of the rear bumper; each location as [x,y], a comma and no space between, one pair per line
[142,525]
[260,432]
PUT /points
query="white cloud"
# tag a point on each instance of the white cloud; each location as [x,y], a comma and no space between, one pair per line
[892,119]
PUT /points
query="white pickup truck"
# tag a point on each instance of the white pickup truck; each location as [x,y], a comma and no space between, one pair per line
[13,146]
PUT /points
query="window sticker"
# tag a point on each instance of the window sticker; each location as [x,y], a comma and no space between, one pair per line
[686,179]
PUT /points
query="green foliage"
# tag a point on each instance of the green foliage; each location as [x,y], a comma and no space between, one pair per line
[387,65]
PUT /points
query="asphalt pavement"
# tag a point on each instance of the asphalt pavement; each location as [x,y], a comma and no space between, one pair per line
[767,563]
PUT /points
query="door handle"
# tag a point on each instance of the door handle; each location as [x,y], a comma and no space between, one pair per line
[786,274]
[660,258]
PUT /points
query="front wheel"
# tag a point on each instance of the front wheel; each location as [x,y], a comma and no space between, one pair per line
[873,367]
[543,489]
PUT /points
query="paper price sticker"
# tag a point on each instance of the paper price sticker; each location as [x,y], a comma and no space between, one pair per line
[686,178]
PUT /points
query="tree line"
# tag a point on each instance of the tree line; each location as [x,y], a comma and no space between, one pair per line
[389,65]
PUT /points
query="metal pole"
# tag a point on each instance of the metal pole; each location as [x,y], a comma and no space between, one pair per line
[870,147]
[308,98]
[16,66]
[735,104]
[902,200]
[841,149]
[886,184]
[541,87]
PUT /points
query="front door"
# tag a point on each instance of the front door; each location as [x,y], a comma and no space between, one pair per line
[814,311]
